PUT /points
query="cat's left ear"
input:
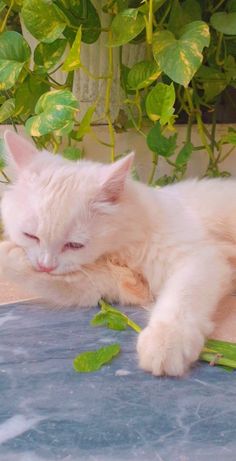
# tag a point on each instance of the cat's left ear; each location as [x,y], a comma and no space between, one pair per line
[20,151]
[113,179]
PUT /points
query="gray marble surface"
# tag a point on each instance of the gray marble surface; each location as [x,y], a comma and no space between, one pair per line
[48,412]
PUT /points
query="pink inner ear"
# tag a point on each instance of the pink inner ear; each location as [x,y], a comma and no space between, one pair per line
[114,178]
[21,151]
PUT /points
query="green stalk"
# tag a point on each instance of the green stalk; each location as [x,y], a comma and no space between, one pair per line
[108,98]
[4,22]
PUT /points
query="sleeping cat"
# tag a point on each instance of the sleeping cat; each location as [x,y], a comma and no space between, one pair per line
[79,231]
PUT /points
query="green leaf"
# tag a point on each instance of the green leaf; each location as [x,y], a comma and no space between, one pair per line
[126,25]
[47,55]
[184,154]
[160,103]
[72,61]
[14,55]
[17,4]
[27,95]
[142,74]
[85,14]
[84,126]
[224,22]
[111,320]
[144,8]
[73,153]
[55,113]
[116,317]
[212,80]
[230,137]
[181,58]
[231,6]
[94,360]
[160,144]
[182,14]
[7,109]
[43,19]
[2,161]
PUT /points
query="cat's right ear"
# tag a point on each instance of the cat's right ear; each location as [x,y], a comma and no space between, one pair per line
[20,152]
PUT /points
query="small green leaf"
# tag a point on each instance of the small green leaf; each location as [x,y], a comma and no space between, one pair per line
[182,14]
[160,144]
[160,103]
[72,61]
[181,58]
[7,109]
[142,74]
[2,158]
[55,113]
[73,153]
[184,154]
[111,320]
[83,13]
[94,360]
[224,22]
[230,137]
[14,55]
[84,126]
[43,19]
[47,55]
[212,81]
[126,25]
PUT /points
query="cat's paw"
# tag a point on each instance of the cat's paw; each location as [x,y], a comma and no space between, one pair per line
[13,260]
[168,349]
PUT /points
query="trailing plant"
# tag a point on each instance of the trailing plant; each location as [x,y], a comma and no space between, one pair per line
[188,73]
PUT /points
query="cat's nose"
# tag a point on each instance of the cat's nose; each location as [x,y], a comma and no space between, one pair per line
[42,268]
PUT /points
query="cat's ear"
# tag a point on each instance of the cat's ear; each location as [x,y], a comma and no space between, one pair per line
[20,152]
[113,179]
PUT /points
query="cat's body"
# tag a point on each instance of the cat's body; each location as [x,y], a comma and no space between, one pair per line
[174,245]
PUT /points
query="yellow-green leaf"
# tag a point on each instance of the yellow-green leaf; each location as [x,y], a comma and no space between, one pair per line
[160,103]
[72,61]
[94,360]
[14,55]
[181,58]
[7,109]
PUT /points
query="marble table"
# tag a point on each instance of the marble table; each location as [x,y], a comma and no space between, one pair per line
[49,412]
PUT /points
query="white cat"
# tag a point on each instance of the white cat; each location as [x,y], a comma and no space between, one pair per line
[79,231]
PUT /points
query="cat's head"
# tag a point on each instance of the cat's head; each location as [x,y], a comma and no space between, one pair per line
[63,213]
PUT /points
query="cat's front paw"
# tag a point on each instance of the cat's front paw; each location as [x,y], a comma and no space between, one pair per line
[13,260]
[168,349]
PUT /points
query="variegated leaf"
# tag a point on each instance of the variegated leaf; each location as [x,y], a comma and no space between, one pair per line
[181,58]
[14,54]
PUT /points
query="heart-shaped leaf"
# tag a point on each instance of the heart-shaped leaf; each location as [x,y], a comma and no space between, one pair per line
[126,25]
[180,58]
[72,61]
[43,19]
[224,22]
[81,13]
[142,74]
[160,144]
[160,103]
[14,55]
[94,360]
[47,55]
[55,113]
[7,109]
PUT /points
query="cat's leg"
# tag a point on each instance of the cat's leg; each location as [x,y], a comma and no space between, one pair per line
[74,289]
[181,318]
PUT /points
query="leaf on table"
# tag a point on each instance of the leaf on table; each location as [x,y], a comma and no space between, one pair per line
[94,360]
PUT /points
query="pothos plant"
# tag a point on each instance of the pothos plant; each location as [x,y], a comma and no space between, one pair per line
[188,71]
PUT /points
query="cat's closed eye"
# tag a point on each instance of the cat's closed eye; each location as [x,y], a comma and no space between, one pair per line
[73,246]
[31,236]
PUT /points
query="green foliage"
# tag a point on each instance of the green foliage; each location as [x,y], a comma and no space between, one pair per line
[94,360]
[55,113]
[181,58]
[14,55]
[188,72]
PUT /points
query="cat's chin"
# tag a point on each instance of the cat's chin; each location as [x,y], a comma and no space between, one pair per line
[59,272]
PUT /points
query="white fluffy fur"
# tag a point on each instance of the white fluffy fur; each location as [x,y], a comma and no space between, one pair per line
[175,245]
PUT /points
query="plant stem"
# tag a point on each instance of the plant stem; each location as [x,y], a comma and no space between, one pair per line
[154,167]
[108,98]
[217,359]
[4,22]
